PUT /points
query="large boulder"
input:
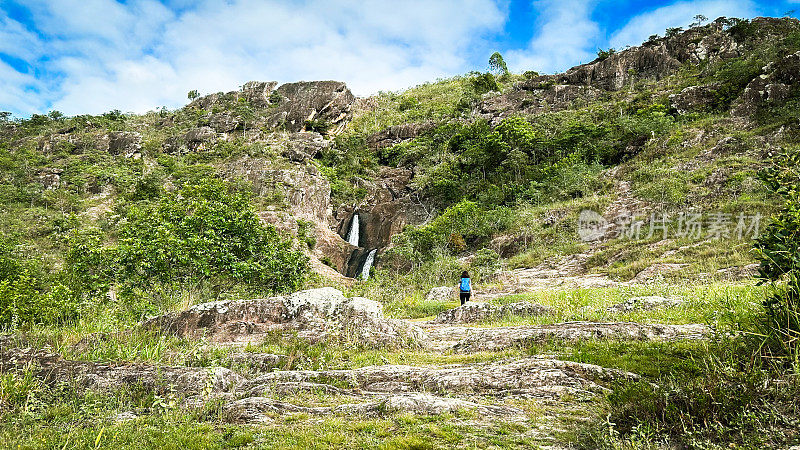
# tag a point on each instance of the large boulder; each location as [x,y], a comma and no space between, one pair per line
[779,81]
[194,140]
[224,122]
[289,107]
[314,314]
[326,101]
[126,143]
[695,98]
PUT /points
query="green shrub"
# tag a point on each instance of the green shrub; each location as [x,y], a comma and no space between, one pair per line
[778,250]
[733,75]
[305,233]
[207,232]
[458,228]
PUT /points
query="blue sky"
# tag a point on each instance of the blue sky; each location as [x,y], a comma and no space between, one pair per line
[91,56]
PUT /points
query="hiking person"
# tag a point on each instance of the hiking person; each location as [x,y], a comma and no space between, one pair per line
[465,286]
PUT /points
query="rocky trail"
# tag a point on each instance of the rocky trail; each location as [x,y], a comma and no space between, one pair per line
[562,391]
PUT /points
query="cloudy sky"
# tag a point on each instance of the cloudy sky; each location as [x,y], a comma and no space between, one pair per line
[91,56]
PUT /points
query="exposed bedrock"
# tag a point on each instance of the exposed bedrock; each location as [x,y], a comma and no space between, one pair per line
[290,106]
[314,314]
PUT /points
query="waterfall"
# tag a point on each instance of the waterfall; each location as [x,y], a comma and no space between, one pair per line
[368,264]
[352,236]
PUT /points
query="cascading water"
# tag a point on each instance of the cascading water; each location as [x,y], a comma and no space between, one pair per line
[352,236]
[368,264]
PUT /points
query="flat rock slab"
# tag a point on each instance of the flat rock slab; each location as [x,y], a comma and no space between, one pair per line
[475,339]
[106,377]
[479,311]
[261,409]
[533,377]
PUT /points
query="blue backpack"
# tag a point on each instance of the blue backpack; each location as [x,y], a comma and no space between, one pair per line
[465,287]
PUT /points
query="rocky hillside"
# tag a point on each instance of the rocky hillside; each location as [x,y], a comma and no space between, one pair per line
[683,121]
[274,266]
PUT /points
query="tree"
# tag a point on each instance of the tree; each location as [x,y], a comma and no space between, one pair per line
[56,116]
[4,116]
[603,54]
[193,94]
[206,235]
[698,20]
[245,112]
[497,64]
[671,32]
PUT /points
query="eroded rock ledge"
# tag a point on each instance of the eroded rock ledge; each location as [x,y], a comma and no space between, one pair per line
[474,339]
[314,314]
[477,312]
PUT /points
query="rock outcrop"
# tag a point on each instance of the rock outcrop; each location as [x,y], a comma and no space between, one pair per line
[478,312]
[326,101]
[290,107]
[108,377]
[778,82]
[534,377]
[474,339]
[315,314]
[263,409]
[125,143]
[397,134]
[536,97]
[695,98]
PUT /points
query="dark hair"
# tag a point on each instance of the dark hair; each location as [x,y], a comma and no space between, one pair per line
[465,274]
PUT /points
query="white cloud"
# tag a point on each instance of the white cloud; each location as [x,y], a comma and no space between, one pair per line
[566,36]
[140,55]
[678,14]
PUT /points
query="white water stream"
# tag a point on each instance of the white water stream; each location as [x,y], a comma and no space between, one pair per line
[368,264]
[352,236]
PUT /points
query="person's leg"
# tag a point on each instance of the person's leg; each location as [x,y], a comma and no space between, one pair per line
[469,294]
[463,297]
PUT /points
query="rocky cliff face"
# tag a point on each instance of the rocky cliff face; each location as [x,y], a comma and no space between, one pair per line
[654,60]
[290,106]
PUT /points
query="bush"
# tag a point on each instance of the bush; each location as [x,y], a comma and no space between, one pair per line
[778,250]
[207,231]
[24,298]
[460,227]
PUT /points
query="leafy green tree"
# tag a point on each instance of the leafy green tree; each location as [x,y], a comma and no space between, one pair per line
[206,234]
[497,64]
[699,20]
[604,54]
[673,31]
[193,95]
[245,113]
